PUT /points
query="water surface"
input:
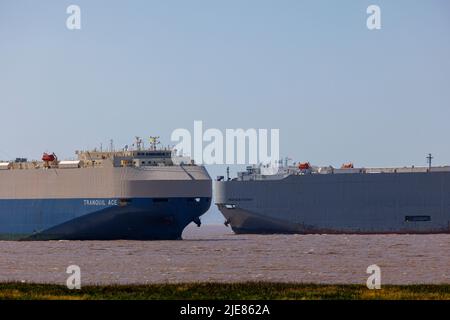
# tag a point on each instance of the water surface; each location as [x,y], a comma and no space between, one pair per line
[214,253]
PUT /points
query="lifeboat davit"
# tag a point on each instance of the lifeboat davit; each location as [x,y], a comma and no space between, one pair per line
[304,166]
[48,157]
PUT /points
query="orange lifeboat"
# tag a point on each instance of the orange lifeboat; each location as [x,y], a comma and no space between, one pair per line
[48,157]
[304,166]
[347,166]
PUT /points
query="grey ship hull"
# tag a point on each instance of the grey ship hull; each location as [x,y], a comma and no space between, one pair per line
[338,203]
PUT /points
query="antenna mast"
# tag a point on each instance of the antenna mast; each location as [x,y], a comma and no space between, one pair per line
[138,143]
[429,159]
[154,141]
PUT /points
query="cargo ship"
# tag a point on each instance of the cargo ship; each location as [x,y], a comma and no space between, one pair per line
[133,194]
[307,199]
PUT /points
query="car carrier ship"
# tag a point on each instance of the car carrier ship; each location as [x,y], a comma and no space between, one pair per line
[307,199]
[139,194]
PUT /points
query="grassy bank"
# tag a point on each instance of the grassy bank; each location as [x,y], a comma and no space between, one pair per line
[251,290]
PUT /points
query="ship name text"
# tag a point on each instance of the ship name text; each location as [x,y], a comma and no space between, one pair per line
[101,202]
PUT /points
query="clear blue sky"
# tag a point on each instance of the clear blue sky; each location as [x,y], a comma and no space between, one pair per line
[337,91]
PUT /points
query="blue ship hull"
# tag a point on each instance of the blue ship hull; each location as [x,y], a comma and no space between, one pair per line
[99,219]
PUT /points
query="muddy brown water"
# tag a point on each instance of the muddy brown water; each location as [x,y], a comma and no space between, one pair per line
[214,253]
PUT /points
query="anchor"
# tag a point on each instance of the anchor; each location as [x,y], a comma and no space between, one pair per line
[197,221]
